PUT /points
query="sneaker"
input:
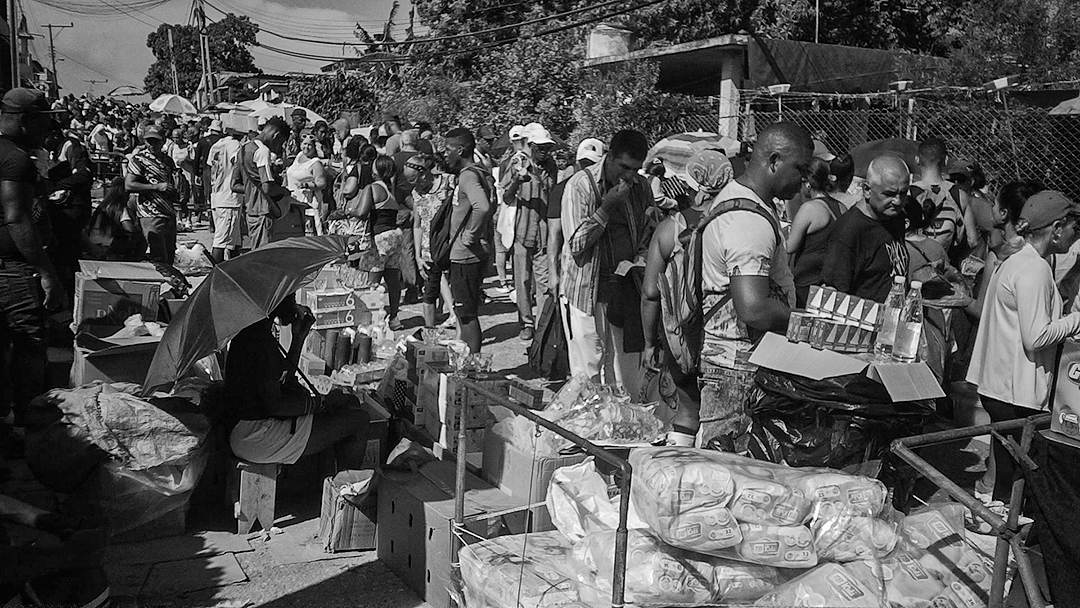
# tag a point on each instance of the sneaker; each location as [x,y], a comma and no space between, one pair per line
[502,289]
[526,334]
[449,323]
[395,324]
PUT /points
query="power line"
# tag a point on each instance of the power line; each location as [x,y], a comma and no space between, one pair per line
[233,4]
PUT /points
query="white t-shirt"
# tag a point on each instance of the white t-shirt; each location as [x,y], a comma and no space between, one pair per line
[222,161]
[739,243]
[263,157]
[1020,327]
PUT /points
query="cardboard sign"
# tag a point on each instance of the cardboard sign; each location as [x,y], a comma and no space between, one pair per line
[1066,406]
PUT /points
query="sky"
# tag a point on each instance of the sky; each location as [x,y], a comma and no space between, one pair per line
[113,48]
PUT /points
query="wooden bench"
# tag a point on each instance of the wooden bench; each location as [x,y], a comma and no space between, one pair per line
[252,489]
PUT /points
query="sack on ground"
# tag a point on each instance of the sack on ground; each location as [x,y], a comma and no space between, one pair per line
[578,501]
[521,571]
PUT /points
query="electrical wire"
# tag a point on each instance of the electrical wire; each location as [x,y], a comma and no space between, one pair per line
[100,9]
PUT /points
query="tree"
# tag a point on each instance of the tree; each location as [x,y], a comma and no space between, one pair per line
[229,41]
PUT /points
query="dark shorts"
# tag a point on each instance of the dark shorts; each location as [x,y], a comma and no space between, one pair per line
[465,281]
[160,233]
[431,285]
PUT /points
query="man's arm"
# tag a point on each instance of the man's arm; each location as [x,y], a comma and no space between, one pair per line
[838,270]
[585,226]
[478,200]
[17,199]
[81,174]
[755,308]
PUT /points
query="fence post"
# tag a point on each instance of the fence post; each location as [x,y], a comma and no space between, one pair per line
[1012,139]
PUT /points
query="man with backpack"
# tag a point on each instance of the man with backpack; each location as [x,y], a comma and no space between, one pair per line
[603,216]
[460,238]
[747,285]
[954,225]
[265,199]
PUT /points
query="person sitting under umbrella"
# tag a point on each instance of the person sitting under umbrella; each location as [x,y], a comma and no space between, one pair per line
[273,418]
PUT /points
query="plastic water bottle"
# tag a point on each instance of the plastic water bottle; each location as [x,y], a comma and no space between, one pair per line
[909,328]
[890,314]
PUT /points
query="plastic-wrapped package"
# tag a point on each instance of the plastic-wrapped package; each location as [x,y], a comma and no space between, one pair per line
[767,502]
[826,585]
[520,571]
[658,574]
[780,546]
[833,492]
[936,534]
[851,538]
[578,502]
[907,584]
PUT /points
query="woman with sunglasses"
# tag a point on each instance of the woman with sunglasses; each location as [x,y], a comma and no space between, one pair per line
[306,179]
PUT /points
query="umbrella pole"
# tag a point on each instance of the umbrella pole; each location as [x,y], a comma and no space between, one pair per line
[299,371]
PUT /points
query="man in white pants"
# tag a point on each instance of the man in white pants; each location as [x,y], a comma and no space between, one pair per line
[224,203]
[603,216]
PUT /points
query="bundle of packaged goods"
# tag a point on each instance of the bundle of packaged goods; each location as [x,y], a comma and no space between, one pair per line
[835,321]
[535,577]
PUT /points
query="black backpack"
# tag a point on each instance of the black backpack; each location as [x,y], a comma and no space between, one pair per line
[441,241]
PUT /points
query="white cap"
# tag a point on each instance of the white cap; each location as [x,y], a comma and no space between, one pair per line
[899,279]
[517,132]
[538,135]
[215,125]
[590,149]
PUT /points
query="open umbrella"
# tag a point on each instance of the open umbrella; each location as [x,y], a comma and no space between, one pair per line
[235,295]
[862,154]
[172,104]
[1067,107]
[675,150]
[285,110]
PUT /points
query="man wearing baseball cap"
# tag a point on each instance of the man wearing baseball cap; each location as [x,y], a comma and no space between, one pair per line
[214,132]
[1013,361]
[25,268]
[151,175]
[292,144]
[589,152]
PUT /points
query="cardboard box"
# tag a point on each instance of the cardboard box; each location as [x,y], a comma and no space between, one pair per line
[378,447]
[118,360]
[522,476]
[344,525]
[903,381]
[324,300]
[107,293]
[1066,406]
[414,514]
[845,308]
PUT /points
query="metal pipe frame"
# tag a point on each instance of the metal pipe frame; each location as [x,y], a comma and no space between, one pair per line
[1007,531]
[625,473]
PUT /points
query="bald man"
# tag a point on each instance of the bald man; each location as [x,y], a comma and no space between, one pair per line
[866,249]
[746,280]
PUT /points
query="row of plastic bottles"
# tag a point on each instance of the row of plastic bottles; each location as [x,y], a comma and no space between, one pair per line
[902,322]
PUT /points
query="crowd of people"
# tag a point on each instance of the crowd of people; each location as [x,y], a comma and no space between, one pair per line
[432,213]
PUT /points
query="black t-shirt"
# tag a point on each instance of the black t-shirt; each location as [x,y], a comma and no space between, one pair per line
[15,166]
[253,371]
[864,254]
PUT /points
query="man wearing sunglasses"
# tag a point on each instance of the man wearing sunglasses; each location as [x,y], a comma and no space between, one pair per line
[867,247]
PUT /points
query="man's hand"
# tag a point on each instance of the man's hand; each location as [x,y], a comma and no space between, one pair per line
[616,196]
[305,320]
[165,188]
[650,357]
[421,267]
[54,291]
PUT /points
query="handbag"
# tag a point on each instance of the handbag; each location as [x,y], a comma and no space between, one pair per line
[351,226]
[942,287]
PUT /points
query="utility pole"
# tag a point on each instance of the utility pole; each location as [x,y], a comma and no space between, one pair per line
[90,92]
[204,55]
[172,59]
[13,44]
[52,55]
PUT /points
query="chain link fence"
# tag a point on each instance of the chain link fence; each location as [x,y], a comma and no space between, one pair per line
[1007,142]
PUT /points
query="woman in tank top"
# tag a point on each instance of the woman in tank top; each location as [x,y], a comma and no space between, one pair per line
[380,208]
[810,229]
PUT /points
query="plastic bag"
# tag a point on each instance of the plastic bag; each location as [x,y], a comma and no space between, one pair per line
[523,571]
[578,502]
[603,413]
[658,574]
[826,585]
[936,535]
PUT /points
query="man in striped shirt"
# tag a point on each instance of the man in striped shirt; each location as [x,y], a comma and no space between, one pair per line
[603,212]
[150,175]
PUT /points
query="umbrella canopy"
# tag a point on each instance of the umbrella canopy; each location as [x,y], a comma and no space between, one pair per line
[172,104]
[1067,107]
[236,294]
[285,110]
[862,154]
[255,104]
[675,150]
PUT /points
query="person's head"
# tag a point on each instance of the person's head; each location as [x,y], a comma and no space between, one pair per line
[307,145]
[485,138]
[917,216]
[540,142]
[321,129]
[886,185]
[656,168]
[410,138]
[368,153]
[818,178]
[274,133]
[287,312]
[25,116]
[352,150]
[460,145]
[780,159]
[589,152]
[517,137]
[385,169]
[393,125]
[299,119]
[215,126]
[380,143]
[341,129]
[626,155]
[1049,218]
[153,136]
[177,135]
[932,153]
[842,169]
[417,172]
[1011,198]
[425,130]
[708,172]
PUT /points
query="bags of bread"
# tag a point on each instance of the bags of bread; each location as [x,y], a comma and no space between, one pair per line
[826,585]
[520,571]
[779,546]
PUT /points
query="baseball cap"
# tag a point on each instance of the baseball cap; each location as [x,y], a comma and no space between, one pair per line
[22,100]
[485,132]
[298,112]
[517,132]
[822,151]
[535,133]
[152,131]
[1045,208]
[590,149]
[215,125]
